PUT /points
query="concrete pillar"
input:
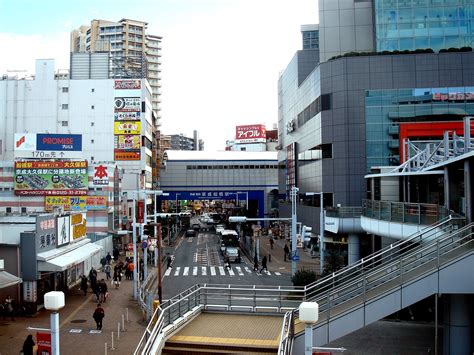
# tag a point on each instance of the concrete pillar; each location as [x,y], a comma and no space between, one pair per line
[353,246]
[457,324]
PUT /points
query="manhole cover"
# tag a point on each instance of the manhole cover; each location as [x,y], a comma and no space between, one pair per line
[78,321]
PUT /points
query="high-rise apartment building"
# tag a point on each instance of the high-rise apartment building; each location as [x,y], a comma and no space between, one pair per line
[133,52]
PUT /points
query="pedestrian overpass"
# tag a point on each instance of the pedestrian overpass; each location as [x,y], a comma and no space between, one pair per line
[212,318]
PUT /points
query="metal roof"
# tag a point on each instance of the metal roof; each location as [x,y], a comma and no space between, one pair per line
[172,155]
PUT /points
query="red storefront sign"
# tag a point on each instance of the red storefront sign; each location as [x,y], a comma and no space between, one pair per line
[141,212]
[250,133]
[43,340]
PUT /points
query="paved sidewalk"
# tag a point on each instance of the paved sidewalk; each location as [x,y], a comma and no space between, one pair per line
[77,315]
[278,263]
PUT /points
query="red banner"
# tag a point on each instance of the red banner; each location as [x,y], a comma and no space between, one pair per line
[43,340]
[250,133]
[141,212]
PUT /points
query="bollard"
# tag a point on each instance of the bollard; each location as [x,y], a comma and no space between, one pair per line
[105,348]
[123,323]
[118,330]
[112,348]
[126,312]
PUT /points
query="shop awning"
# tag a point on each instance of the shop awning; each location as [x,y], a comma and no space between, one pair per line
[69,259]
[7,279]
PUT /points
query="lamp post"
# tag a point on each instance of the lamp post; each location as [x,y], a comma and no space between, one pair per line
[321,229]
[308,314]
[294,252]
[54,301]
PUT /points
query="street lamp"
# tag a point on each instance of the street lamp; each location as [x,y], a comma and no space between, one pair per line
[321,229]
[308,314]
[54,301]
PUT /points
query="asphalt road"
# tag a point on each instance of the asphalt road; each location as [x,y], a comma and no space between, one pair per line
[198,260]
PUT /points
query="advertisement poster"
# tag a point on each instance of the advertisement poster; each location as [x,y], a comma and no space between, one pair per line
[126,155]
[51,178]
[101,176]
[78,226]
[75,203]
[128,104]
[48,146]
[127,127]
[127,84]
[64,230]
[127,116]
[127,142]
[45,233]
[251,134]
[43,340]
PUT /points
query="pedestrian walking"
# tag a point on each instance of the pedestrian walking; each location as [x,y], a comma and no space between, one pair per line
[9,311]
[264,264]
[103,291]
[103,261]
[108,258]
[169,260]
[93,279]
[227,262]
[98,316]
[255,263]
[116,280]
[116,254]
[131,267]
[271,243]
[84,284]
[286,250]
[108,271]
[28,345]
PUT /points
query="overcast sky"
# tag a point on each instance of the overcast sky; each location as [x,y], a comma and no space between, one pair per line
[220,63]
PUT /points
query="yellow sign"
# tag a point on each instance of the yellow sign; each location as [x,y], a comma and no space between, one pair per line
[78,226]
[75,203]
[127,127]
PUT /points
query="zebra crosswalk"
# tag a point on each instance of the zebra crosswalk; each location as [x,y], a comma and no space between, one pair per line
[214,271]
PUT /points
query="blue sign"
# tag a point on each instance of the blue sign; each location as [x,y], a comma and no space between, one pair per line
[144,244]
[59,142]
[295,257]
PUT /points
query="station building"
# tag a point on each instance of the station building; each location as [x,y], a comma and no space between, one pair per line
[247,179]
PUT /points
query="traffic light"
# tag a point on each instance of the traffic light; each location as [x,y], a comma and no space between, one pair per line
[149,230]
[306,234]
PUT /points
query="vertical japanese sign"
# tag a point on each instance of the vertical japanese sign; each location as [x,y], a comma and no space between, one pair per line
[64,230]
[45,233]
[43,340]
[127,119]
[141,212]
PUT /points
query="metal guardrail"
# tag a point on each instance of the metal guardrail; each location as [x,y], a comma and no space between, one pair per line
[344,212]
[370,277]
[403,212]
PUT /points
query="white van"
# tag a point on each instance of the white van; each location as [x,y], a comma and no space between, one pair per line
[228,238]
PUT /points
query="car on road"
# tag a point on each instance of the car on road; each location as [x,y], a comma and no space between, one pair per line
[196,226]
[190,233]
[233,253]
[219,228]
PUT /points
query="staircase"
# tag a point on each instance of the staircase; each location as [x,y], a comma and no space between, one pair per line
[432,261]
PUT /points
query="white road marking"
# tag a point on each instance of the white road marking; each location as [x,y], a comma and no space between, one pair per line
[239,271]
[247,269]
[168,272]
[231,272]
[186,271]
[221,270]
[203,271]
[277,273]
[195,271]
[213,271]
[178,269]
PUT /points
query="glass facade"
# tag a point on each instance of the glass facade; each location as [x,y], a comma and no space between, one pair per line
[385,110]
[420,24]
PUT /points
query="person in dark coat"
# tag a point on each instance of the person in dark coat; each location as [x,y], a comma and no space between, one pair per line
[28,345]
[116,254]
[98,316]
[286,250]
[255,263]
[108,258]
[84,284]
[264,264]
